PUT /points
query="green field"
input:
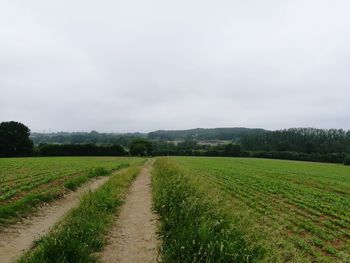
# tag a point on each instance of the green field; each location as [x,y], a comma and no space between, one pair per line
[25,182]
[289,211]
[210,209]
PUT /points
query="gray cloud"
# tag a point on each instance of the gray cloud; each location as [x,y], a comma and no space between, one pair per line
[145,65]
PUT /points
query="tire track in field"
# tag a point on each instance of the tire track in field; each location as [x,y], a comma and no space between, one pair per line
[18,238]
[133,238]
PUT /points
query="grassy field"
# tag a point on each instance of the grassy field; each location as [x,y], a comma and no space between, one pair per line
[276,211]
[25,182]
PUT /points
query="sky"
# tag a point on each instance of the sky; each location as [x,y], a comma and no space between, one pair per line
[135,65]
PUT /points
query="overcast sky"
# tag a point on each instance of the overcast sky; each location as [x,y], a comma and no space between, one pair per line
[137,65]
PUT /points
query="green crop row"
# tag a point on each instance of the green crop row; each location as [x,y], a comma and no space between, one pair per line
[27,182]
[297,211]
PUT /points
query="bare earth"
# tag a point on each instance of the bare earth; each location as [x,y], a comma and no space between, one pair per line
[133,239]
[17,239]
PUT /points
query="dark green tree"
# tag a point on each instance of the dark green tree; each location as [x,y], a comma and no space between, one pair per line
[14,140]
[140,147]
[232,149]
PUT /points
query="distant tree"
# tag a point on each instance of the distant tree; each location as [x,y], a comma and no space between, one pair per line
[283,146]
[304,140]
[14,140]
[232,150]
[188,144]
[94,137]
[140,147]
[310,147]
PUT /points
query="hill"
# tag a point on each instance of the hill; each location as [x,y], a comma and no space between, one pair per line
[200,134]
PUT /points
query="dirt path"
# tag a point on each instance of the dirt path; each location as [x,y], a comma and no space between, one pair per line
[18,238]
[133,239]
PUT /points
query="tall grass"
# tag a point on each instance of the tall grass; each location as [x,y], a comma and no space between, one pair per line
[82,231]
[193,227]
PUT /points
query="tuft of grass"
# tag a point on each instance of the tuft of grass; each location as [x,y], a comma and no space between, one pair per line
[82,232]
[193,227]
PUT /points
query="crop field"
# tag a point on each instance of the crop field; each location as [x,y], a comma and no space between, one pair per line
[27,181]
[210,209]
[282,211]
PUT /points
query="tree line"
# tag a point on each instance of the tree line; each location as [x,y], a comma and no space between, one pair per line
[303,140]
[303,144]
[307,144]
[92,137]
[15,141]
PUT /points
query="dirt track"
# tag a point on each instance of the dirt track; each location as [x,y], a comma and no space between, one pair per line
[17,239]
[133,239]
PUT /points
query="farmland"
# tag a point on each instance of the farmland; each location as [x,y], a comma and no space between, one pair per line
[82,232]
[276,211]
[210,209]
[26,182]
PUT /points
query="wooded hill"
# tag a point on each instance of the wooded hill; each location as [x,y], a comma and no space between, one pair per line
[199,134]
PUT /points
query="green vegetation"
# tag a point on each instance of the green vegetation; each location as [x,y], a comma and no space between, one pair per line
[303,140]
[302,144]
[14,140]
[27,182]
[82,232]
[194,228]
[92,137]
[124,139]
[294,211]
[230,134]
[140,147]
[73,183]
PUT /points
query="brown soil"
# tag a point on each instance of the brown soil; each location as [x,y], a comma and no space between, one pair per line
[18,238]
[133,238]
